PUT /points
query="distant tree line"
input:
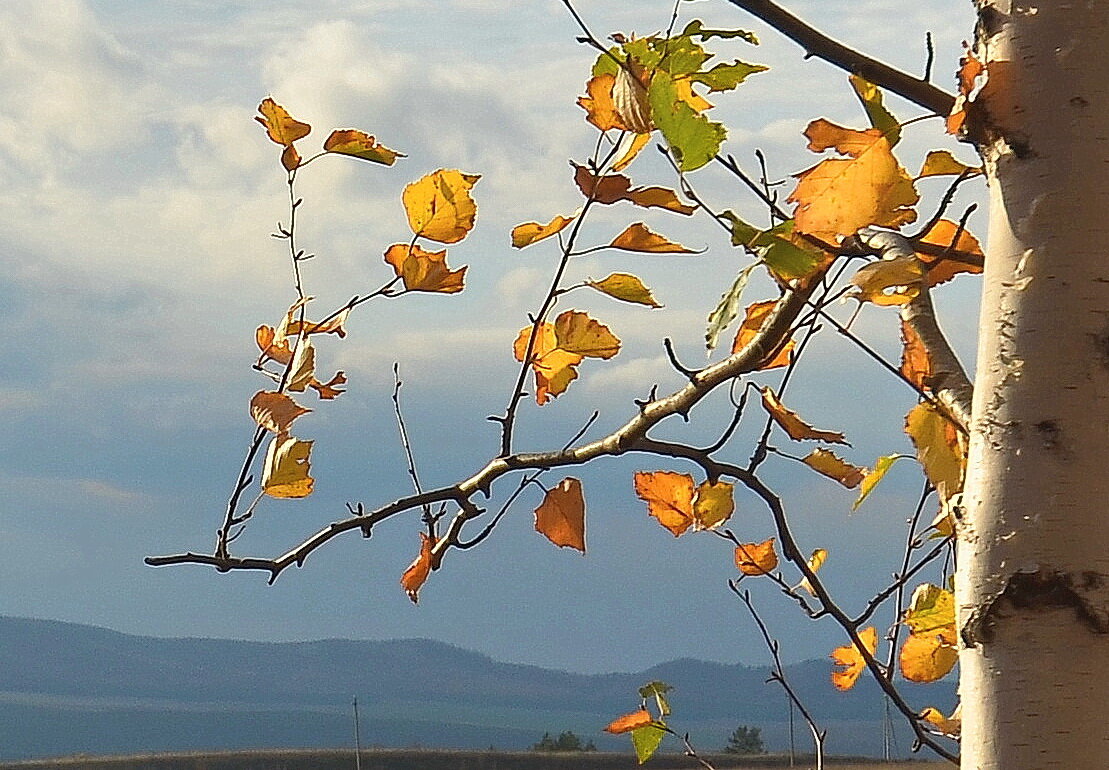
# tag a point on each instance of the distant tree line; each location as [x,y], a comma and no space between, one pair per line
[566,741]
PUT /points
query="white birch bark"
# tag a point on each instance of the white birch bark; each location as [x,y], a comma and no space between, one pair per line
[1033,554]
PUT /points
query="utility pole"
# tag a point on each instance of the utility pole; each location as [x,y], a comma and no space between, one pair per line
[357,738]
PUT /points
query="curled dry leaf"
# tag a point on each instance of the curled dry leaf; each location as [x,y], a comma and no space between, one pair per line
[424,270]
[969,71]
[302,370]
[336,325]
[825,462]
[416,575]
[793,425]
[290,158]
[916,364]
[330,389]
[531,232]
[280,126]
[757,315]
[629,722]
[625,287]
[561,516]
[439,206]
[613,188]
[756,558]
[359,144]
[272,348]
[851,660]
[950,726]
[638,237]
[275,411]
[285,472]
[629,97]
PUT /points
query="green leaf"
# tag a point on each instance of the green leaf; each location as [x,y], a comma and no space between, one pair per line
[679,55]
[606,63]
[657,690]
[727,309]
[743,234]
[625,287]
[646,740]
[693,138]
[725,77]
[880,117]
[931,609]
[871,479]
[694,29]
[785,258]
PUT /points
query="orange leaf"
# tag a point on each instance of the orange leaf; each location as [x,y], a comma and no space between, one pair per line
[359,144]
[638,142]
[838,196]
[942,269]
[852,660]
[416,575]
[439,205]
[669,498]
[969,71]
[336,326]
[275,411]
[329,390]
[928,657]
[823,461]
[424,270]
[530,232]
[797,429]
[272,350]
[638,238]
[756,558]
[290,158]
[752,324]
[916,364]
[598,105]
[561,516]
[629,722]
[949,726]
[280,126]
[659,197]
[285,470]
[553,367]
[579,334]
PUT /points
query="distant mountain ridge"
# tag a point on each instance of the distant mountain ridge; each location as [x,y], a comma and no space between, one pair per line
[61,681]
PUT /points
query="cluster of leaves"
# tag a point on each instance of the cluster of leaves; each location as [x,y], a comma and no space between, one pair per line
[646,729]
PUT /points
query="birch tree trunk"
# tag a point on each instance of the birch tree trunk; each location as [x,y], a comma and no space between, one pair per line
[1033,558]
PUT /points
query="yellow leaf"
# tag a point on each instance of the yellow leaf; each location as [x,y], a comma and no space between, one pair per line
[579,334]
[816,561]
[931,609]
[950,726]
[823,461]
[838,196]
[852,660]
[439,205]
[753,321]
[629,722]
[638,238]
[561,516]
[669,498]
[275,411]
[713,504]
[888,281]
[872,477]
[285,472]
[940,448]
[280,126]
[554,368]
[530,232]
[625,287]
[928,657]
[598,105]
[793,425]
[943,163]
[942,269]
[756,558]
[359,144]
[302,370]
[416,575]
[424,270]
[635,146]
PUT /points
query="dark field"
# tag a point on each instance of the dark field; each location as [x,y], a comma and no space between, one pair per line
[414,759]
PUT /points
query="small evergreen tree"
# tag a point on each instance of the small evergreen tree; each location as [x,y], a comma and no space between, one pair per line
[745,740]
[566,741]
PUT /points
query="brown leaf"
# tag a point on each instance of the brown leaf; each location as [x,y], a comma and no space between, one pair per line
[561,516]
[424,270]
[752,324]
[756,558]
[797,429]
[275,411]
[290,158]
[613,188]
[669,498]
[638,238]
[416,575]
[280,126]
[823,461]
[329,390]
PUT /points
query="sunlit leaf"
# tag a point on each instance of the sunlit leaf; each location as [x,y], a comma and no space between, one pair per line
[950,726]
[713,504]
[838,196]
[931,609]
[416,575]
[788,255]
[561,516]
[916,364]
[757,315]
[823,461]
[694,29]
[638,238]
[880,117]
[928,657]
[272,348]
[336,325]
[940,448]
[816,561]
[657,690]
[612,188]
[646,741]
[943,163]
[629,97]
[629,722]
[554,368]
[330,389]
[851,660]
[669,498]
[756,558]
[290,158]
[694,140]
[625,287]
[302,370]
[889,281]
[794,426]
[634,146]
[280,126]
[286,467]
[659,197]
[275,411]
[579,334]
[725,77]
[598,105]
[439,205]
[727,309]
[531,232]
[941,269]
[360,145]
[422,270]
[872,477]
[969,71]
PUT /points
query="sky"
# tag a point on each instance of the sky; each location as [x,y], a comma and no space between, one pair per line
[138,197]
